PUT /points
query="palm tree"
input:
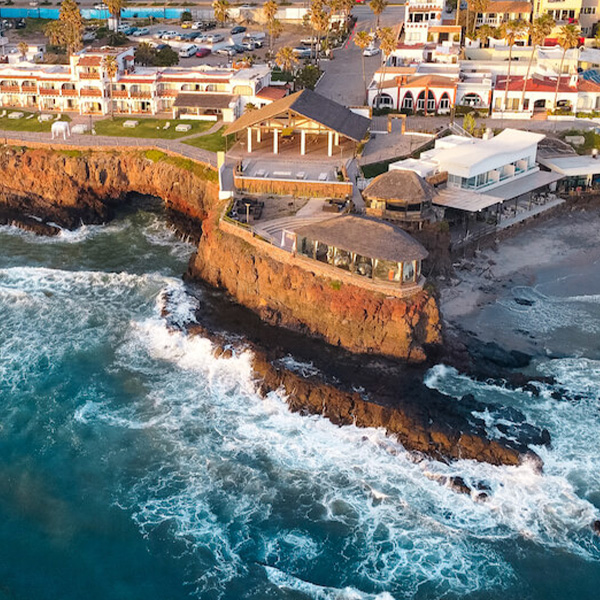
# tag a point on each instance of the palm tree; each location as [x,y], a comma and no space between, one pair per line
[484,33]
[319,19]
[511,31]
[221,10]
[114,8]
[23,48]
[597,38]
[110,65]
[68,29]
[568,38]
[269,11]
[474,7]
[539,30]
[250,106]
[387,42]
[362,39]
[286,59]
[378,6]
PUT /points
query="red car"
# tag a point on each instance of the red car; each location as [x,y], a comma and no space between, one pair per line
[203,52]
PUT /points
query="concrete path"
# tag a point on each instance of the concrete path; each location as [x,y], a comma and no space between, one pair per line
[100,141]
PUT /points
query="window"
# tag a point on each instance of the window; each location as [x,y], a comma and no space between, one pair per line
[588,10]
[407,102]
[444,102]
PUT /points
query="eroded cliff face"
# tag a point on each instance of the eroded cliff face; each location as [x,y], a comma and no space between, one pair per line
[71,187]
[341,314]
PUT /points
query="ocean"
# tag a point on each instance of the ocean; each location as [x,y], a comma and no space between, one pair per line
[135,465]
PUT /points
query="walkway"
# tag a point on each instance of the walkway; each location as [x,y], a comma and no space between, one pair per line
[104,141]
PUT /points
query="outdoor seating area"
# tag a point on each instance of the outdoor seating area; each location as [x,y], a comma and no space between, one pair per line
[131,124]
[246,210]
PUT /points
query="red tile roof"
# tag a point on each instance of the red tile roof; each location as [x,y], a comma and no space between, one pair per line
[272,93]
[508,6]
[535,84]
[90,61]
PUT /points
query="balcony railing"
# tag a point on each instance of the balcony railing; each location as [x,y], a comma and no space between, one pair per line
[29,89]
[168,93]
[93,93]
[9,89]
[89,75]
[49,92]
[140,95]
[68,92]
[120,94]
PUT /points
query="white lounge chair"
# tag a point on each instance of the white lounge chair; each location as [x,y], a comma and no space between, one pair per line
[2,114]
[167,125]
[30,116]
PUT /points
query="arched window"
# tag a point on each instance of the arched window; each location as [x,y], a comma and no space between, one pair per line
[471,100]
[408,101]
[430,101]
[383,101]
[444,104]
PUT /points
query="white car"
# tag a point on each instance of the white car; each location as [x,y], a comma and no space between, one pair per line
[169,35]
[370,51]
[215,38]
[141,31]
[100,6]
[197,25]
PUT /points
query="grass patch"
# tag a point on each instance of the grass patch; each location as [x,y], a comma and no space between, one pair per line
[33,26]
[147,128]
[213,142]
[27,124]
[199,170]
[71,153]
[336,285]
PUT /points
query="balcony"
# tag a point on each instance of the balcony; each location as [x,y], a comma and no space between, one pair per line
[91,93]
[29,89]
[141,95]
[168,93]
[120,94]
[49,92]
[70,93]
[9,89]
[89,75]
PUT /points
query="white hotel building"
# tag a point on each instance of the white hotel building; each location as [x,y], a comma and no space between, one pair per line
[83,86]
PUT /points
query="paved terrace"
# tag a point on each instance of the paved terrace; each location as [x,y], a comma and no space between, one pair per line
[98,142]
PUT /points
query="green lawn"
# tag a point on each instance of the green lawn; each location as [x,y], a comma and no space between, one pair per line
[148,128]
[213,142]
[25,124]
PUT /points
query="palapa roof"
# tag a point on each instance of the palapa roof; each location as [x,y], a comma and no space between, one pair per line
[201,100]
[368,237]
[508,6]
[399,186]
[313,106]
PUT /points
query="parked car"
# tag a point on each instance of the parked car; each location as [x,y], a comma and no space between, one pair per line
[141,31]
[158,34]
[202,52]
[160,47]
[186,25]
[169,35]
[238,29]
[100,6]
[188,50]
[302,52]
[201,39]
[88,36]
[370,51]
[197,25]
[311,39]
[20,24]
[226,51]
[249,45]
[214,38]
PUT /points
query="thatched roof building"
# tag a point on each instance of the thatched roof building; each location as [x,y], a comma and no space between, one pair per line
[399,187]
[368,237]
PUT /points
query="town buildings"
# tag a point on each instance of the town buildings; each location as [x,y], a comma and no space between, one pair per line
[84,86]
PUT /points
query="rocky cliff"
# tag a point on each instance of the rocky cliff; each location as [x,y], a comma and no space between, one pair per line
[290,296]
[69,187]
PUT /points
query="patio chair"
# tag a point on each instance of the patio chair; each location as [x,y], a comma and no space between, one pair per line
[167,125]
[30,116]
[2,114]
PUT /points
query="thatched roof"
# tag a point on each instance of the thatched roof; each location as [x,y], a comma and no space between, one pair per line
[312,106]
[371,238]
[399,186]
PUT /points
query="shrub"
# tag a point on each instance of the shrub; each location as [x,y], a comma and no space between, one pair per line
[336,285]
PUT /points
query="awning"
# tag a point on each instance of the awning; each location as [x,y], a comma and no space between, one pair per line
[572,166]
[523,185]
[201,100]
[464,200]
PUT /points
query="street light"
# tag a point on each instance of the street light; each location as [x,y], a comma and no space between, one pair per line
[247,212]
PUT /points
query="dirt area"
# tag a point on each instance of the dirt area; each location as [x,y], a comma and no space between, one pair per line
[277,207]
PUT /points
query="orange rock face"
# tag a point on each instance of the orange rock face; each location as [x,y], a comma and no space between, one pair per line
[288,295]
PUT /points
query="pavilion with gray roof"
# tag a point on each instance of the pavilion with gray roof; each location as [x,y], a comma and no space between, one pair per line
[304,113]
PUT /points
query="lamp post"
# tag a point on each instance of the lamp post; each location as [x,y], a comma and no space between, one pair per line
[247,213]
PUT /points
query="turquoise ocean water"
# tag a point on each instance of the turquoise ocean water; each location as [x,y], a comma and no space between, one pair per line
[135,465]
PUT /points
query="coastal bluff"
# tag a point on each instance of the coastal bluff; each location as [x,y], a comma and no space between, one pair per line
[41,187]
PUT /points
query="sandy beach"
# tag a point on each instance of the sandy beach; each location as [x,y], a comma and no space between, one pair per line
[515,292]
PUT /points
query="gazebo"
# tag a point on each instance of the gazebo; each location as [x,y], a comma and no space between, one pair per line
[401,196]
[363,246]
[302,114]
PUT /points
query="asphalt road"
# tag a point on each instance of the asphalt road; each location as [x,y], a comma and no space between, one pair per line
[343,78]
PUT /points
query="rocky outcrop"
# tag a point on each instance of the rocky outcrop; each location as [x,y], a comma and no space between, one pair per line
[71,187]
[290,296]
